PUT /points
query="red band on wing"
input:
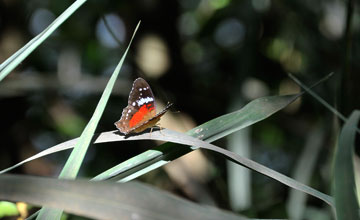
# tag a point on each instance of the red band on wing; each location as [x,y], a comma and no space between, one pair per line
[139,115]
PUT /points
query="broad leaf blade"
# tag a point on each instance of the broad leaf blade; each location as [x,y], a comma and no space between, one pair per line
[105,200]
[255,111]
[346,203]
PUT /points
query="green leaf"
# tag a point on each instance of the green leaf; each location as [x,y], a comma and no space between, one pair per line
[105,200]
[76,158]
[346,203]
[8,209]
[253,112]
[149,160]
[168,135]
[256,110]
[12,62]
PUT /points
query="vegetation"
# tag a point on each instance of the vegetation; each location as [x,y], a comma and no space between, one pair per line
[224,64]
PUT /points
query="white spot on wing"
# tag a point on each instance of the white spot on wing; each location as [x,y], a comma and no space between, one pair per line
[133,103]
[140,89]
[145,100]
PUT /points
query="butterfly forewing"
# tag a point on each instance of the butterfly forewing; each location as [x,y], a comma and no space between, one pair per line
[140,93]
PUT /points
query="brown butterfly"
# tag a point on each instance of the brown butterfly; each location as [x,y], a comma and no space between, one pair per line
[140,113]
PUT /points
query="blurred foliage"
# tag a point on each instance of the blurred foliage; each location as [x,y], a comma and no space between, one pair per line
[202,55]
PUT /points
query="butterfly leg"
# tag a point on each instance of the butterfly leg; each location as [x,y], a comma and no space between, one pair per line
[160,128]
[151,131]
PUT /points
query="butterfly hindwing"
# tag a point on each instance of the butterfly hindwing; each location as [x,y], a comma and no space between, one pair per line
[152,121]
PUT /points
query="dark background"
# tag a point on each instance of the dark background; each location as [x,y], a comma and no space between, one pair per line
[207,57]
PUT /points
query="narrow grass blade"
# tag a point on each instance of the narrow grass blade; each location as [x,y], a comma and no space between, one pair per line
[318,98]
[253,112]
[357,175]
[76,158]
[12,62]
[105,200]
[74,162]
[183,139]
[165,153]
[60,147]
[172,136]
[346,203]
[296,204]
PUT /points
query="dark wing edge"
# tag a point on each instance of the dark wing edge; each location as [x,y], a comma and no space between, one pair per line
[168,105]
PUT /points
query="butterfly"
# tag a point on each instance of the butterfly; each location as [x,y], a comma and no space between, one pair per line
[140,113]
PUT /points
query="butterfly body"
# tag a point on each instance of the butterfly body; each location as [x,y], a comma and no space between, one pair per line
[140,113]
